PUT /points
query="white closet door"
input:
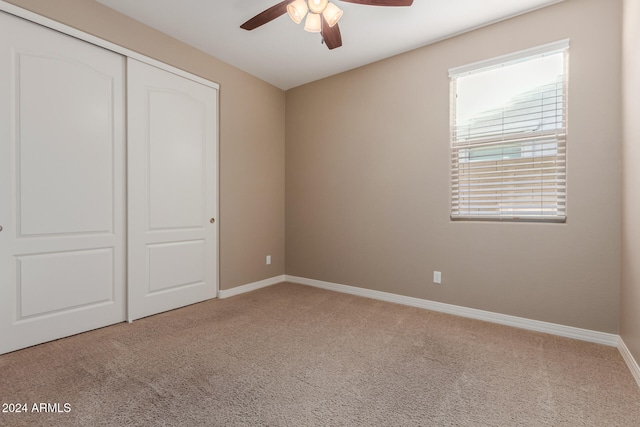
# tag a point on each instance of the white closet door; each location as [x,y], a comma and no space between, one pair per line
[172,187]
[61,185]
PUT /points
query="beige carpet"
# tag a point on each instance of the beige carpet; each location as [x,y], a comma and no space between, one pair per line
[291,355]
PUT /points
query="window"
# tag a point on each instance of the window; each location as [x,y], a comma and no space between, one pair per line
[508,136]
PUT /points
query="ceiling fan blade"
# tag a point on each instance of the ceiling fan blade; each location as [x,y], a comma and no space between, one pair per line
[267,16]
[382,2]
[331,35]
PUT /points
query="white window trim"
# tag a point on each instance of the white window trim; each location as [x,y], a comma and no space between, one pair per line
[486,65]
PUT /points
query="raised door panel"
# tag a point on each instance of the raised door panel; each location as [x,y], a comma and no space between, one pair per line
[167,274]
[87,276]
[177,150]
[72,127]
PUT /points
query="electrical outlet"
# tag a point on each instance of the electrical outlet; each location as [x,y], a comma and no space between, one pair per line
[437,277]
[268,259]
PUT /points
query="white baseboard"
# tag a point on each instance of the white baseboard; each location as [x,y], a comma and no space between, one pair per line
[629,359]
[226,293]
[503,319]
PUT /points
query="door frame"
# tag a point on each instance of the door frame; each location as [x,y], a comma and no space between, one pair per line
[127,53]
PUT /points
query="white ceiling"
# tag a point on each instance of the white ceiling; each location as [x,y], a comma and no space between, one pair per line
[285,55]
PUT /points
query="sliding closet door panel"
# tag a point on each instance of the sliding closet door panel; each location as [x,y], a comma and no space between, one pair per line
[62,188]
[172,148]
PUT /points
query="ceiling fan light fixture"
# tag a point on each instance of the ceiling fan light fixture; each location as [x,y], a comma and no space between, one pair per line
[332,14]
[318,6]
[297,10]
[313,23]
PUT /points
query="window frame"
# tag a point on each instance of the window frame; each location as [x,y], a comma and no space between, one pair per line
[461,208]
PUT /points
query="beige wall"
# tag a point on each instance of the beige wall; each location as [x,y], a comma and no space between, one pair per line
[630,298]
[367,180]
[251,137]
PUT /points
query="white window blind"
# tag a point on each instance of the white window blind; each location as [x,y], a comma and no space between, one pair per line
[508,137]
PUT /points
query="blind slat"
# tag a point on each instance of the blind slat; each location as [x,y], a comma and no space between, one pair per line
[541,137]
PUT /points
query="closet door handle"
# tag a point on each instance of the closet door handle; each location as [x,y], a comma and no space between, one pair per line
[0,228]
[212,220]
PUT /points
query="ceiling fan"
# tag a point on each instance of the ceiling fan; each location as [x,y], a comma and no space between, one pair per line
[322,16]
